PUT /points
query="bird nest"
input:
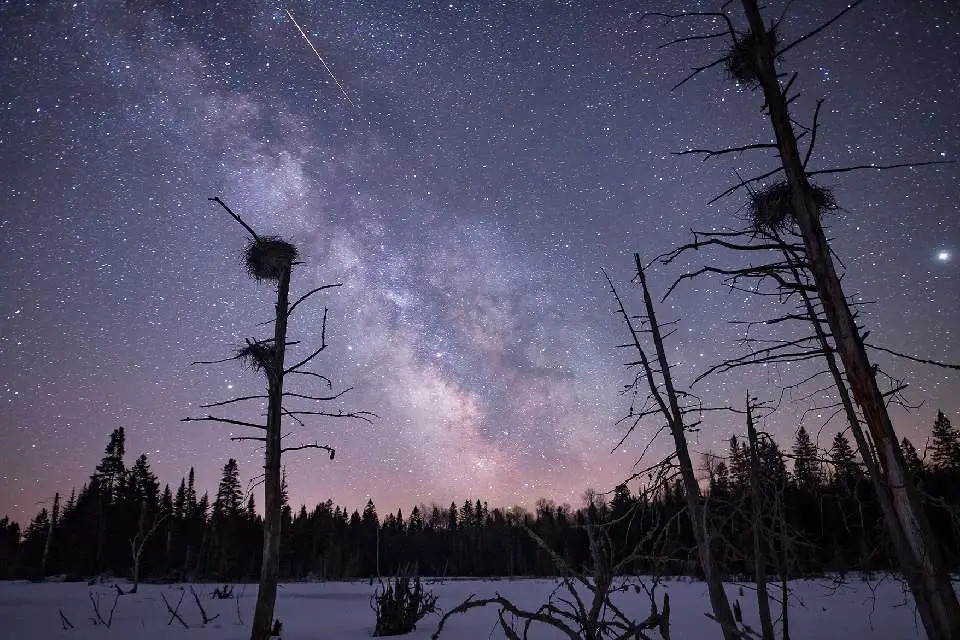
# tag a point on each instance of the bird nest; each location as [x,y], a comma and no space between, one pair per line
[743,59]
[269,257]
[258,356]
[771,208]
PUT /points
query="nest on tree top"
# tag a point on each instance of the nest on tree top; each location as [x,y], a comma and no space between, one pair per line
[771,208]
[259,356]
[268,257]
[743,59]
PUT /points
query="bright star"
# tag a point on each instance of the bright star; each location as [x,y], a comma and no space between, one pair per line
[943,255]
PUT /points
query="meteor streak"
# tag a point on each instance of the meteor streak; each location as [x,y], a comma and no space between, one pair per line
[320,58]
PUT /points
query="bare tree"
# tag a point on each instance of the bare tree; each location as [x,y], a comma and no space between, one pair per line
[48,542]
[272,259]
[664,401]
[752,60]
[139,541]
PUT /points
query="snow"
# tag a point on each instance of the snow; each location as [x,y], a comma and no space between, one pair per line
[820,610]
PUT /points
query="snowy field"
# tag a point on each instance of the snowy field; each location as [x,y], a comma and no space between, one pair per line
[311,611]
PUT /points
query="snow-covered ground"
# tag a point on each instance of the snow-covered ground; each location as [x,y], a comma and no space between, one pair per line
[820,610]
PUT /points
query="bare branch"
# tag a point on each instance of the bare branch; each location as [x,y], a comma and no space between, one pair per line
[232,400]
[315,375]
[235,217]
[240,423]
[310,293]
[366,416]
[813,135]
[879,167]
[710,153]
[323,345]
[330,450]
[935,363]
[826,24]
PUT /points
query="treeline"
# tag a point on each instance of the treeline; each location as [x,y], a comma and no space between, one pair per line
[818,516]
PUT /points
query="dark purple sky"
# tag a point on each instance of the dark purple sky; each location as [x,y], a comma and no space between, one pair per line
[490,161]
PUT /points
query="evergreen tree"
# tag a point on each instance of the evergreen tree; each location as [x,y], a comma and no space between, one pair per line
[416,522]
[143,484]
[945,445]
[180,501]
[739,466]
[911,458]
[452,517]
[110,472]
[846,471]
[191,506]
[806,467]
[720,481]
[229,501]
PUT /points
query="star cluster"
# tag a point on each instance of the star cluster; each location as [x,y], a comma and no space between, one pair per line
[490,160]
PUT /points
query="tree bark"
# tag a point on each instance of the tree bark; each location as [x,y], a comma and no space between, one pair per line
[917,550]
[270,568]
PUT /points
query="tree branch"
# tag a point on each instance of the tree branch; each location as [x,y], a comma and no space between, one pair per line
[225,421]
[235,217]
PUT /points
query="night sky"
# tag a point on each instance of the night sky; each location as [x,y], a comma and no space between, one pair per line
[487,161]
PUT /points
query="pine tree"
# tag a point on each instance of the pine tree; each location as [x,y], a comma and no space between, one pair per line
[945,445]
[110,472]
[739,466]
[191,506]
[180,501]
[143,485]
[720,481]
[229,499]
[806,467]
[911,458]
[846,471]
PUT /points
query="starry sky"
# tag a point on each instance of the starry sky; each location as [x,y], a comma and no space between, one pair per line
[465,169]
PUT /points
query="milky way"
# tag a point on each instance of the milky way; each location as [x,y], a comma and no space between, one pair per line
[479,167]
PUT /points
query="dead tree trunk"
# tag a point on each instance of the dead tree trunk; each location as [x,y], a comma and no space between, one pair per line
[756,516]
[919,556]
[48,543]
[669,407]
[270,568]
[139,541]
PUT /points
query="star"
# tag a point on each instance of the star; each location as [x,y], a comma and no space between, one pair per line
[943,255]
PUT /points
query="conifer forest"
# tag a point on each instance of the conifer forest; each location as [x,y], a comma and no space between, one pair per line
[186,532]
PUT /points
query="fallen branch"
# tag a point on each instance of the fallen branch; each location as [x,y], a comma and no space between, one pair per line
[64,623]
[174,612]
[95,601]
[196,598]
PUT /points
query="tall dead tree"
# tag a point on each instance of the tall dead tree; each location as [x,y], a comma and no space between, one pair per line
[665,401]
[272,259]
[756,521]
[752,61]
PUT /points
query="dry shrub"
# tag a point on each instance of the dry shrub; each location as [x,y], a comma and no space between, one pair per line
[268,257]
[771,207]
[400,605]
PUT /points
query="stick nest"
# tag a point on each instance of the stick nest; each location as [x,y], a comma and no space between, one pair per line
[268,257]
[258,356]
[743,60]
[771,208]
